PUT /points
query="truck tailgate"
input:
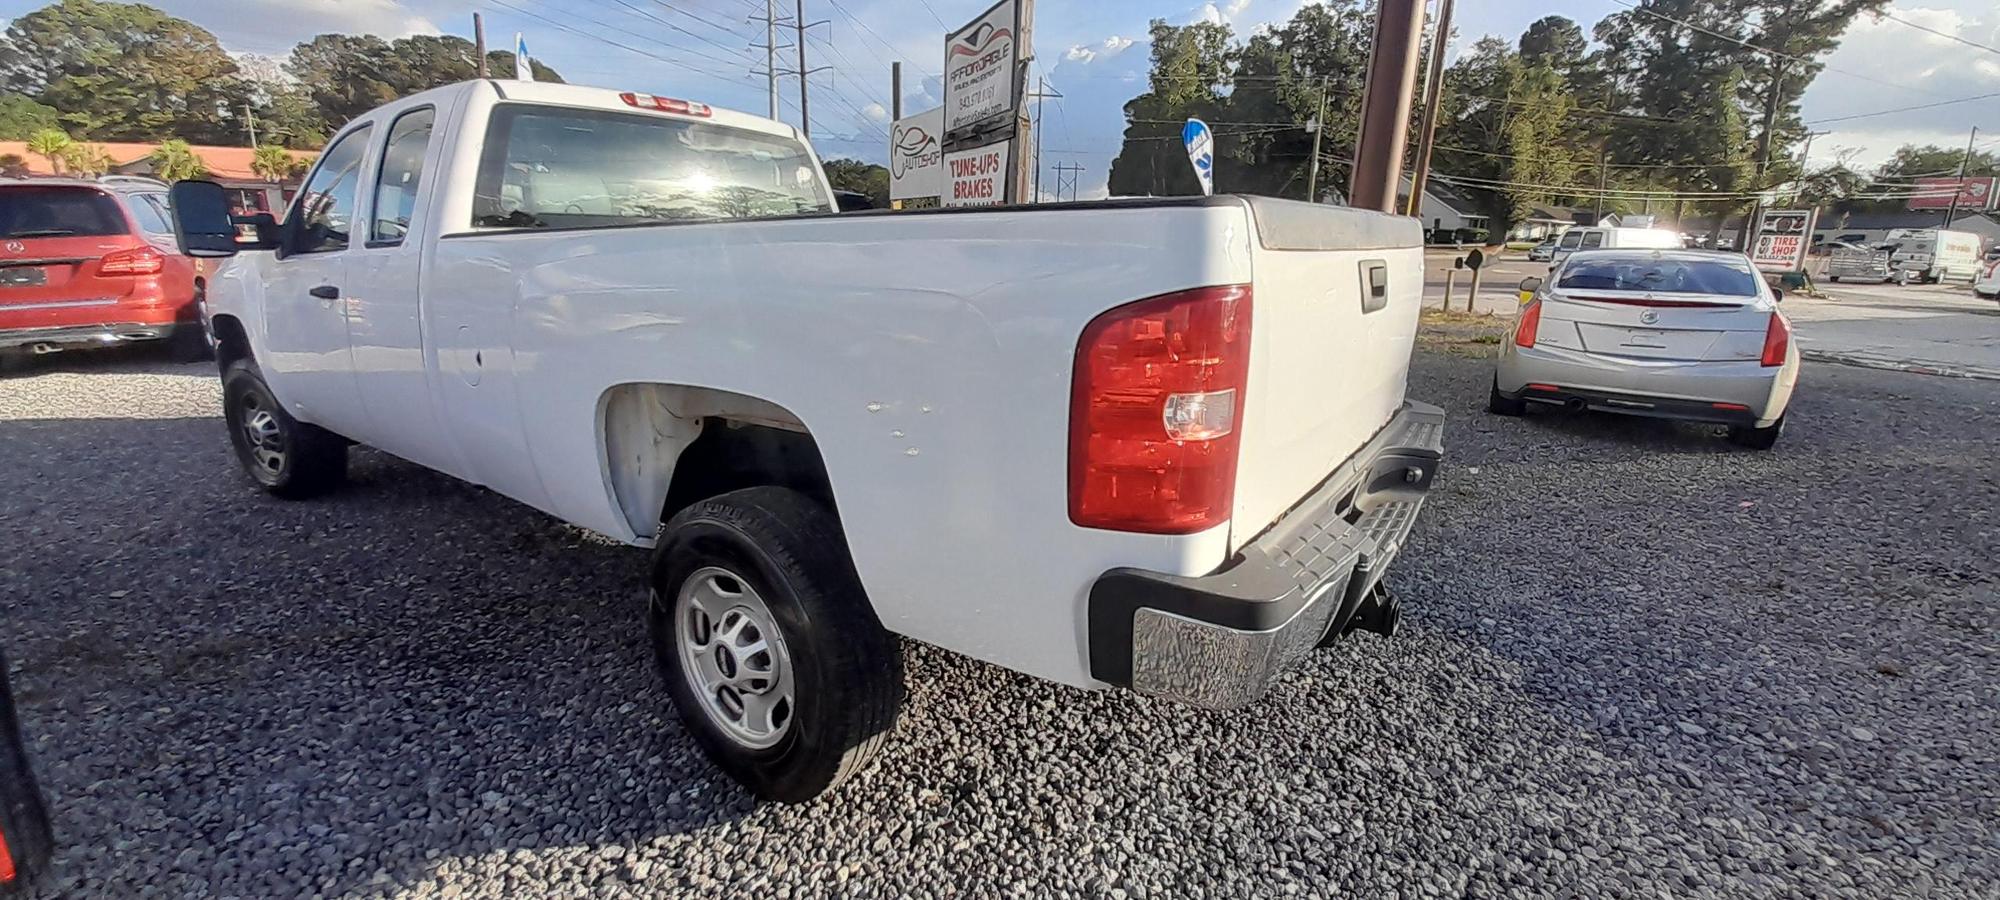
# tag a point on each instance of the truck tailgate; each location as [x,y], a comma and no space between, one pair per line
[1334,318]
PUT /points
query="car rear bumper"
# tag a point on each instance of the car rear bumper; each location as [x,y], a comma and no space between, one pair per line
[49,340]
[1752,393]
[1217,641]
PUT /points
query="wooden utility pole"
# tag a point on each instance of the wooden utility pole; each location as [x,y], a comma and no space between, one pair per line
[1958,187]
[479,42]
[1319,128]
[1385,105]
[1764,142]
[1433,93]
[895,91]
[1603,180]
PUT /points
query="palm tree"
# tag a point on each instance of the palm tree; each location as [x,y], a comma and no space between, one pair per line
[174,160]
[49,144]
[272,163]
[88,160]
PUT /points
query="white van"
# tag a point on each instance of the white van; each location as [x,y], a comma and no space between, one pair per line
[1595,238]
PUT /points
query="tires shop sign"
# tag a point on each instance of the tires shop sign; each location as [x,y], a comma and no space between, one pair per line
[979,67]
[1782,237]
[976,177]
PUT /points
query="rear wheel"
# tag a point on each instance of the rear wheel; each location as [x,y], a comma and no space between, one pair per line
[1499,405]
[1757,438]
[286,457]
[775,660]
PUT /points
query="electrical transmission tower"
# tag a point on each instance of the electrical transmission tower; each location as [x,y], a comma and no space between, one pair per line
[1066,173]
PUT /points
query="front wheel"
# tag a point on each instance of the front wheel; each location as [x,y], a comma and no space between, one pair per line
[775,659]
[1757,438]
[286,457]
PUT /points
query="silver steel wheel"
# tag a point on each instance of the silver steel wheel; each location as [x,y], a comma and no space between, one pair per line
[262,434]
[734,657]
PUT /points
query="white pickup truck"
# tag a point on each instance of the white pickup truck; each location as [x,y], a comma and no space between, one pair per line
[1160,445]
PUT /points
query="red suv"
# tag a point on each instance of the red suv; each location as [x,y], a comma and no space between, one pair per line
[93,263]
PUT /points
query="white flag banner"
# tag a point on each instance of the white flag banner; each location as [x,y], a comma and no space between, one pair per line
[523,67]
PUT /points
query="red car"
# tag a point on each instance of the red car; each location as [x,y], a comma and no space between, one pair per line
[93,263]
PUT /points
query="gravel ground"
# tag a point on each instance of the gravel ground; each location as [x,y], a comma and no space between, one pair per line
[1634,661]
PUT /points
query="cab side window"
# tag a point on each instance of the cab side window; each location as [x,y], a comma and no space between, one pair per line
[1593,239]
[324,216]
[1569,240]
[396,185]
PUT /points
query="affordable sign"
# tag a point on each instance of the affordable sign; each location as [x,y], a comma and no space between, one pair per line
[916,156]
[976,177]
[979,67]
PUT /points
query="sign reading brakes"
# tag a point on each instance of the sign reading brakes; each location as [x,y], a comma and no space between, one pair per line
[979,67]
[976,177]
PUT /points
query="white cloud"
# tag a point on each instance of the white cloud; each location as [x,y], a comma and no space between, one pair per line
[273,26]
[1112,46]
[1885,65]
[1219,14]
[876,112]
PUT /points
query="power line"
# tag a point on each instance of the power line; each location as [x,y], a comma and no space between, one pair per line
[1762,49]
[1884,112]
[893,53]
[642,13]
[688,50]
[601,39]
[1443,149]
[1900,19]
[934,15]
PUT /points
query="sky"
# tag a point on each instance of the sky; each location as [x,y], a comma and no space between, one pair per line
[1093,52]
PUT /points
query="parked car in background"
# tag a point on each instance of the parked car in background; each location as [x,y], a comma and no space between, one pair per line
[1593,237]
[1988,283]
[1544,251]
[1676,334]
[93,263]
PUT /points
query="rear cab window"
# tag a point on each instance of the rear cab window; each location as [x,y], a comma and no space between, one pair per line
[563,167]
[1659,276]
[59,211]
[1593,240]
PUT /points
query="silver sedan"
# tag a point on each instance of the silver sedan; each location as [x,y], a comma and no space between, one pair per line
[1692,335]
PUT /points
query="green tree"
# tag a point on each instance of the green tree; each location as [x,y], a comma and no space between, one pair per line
[88,160]
[50,144]
[1539,134]
[174,160]
[123,71]
[1190,68]
[345,75]
[1933,161]
[20,117]
[859,177]
[272,163]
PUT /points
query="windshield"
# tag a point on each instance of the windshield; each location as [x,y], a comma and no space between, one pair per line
[1662,276]
[557,167]
[29,212]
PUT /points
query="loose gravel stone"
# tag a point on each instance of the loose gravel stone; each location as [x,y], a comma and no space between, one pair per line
[1634,661]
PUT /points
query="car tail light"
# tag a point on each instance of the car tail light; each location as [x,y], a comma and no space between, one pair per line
[6,862]
[136,261]
[667,104]
[1156,407]
[1531,322]
[1777,341]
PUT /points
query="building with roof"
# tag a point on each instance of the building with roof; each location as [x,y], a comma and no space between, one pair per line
[227,166]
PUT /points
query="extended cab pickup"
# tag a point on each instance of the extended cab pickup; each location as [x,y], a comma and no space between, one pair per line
[1160,445]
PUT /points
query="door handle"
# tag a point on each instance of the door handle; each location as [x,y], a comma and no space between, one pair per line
[325,292]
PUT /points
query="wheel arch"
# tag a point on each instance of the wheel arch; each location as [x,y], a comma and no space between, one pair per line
[664,447]
[232,340]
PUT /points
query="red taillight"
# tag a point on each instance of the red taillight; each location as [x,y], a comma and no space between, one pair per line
[1156,408]
[1777,341]
[6,861]
[1531,322]
[136,261]
[667,104]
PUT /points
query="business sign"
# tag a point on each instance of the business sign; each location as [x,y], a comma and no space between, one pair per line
[916,156]
[1201,152]
[976,177]
[1783,237]
[980,71]
[1974,194]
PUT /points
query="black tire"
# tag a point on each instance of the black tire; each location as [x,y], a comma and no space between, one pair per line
[297,460]
[1833,278]
[1757,438]
[847,670]
[1499,405]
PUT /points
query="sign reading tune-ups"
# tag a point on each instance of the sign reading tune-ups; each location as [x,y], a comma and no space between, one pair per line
[976,177]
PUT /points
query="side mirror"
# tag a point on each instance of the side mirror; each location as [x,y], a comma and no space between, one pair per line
[1777,295]
[201,219]
[1531,284]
